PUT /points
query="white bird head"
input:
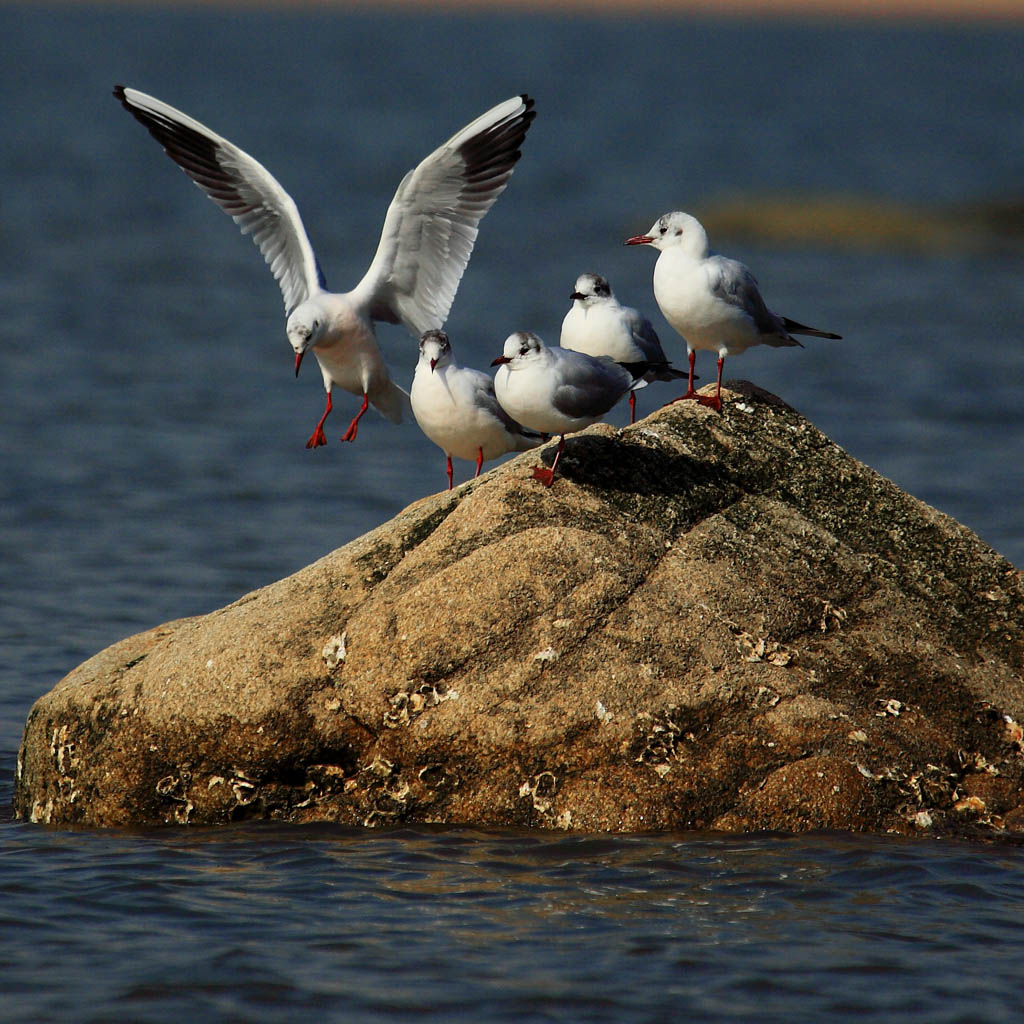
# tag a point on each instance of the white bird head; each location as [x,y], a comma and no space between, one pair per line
[435,349]
[591,288]
[305,327]
[675,230]
[522,349]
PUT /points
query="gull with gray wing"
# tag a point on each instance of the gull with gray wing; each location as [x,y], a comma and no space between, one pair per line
[456,407]
[428,236]
[712,301]
[556,390]
[599,325]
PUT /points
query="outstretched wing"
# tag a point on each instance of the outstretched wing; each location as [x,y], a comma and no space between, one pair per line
[432,222]
[239,185]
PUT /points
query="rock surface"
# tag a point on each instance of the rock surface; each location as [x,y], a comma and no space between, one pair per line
[719,622]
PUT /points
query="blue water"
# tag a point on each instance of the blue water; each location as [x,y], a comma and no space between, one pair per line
[152,466]
[272,924]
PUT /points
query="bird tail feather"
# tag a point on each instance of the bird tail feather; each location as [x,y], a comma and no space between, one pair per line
[529,439]
[666,372]
[797,328]
[393,402]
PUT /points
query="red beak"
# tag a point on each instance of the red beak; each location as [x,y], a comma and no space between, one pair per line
[639,240]
[500,360]
[298,361]
[433,363]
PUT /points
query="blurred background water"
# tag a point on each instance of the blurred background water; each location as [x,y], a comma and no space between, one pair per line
[152,466]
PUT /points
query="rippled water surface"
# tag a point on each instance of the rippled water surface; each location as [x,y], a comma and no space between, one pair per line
[265,924]
[152,466]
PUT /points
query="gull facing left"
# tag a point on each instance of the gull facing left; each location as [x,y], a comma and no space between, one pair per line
[427,238]
[556,390]
[712,301]
[598,324]
[456,408]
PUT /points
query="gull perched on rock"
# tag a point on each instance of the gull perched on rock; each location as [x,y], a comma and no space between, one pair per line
[428,235]
[456,408]
[711,300]
[599,325]
[556,390]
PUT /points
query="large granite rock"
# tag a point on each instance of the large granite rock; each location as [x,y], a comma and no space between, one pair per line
[708,622]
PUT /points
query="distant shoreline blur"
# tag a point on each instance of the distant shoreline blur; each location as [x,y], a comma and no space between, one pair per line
[966,11]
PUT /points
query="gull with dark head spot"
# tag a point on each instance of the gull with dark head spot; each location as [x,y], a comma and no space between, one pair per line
[428,235]
[712,301]
[556,390]
[599,325]
[456,408]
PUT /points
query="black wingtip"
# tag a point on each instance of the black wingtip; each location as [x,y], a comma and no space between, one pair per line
[636,370]
[795,327]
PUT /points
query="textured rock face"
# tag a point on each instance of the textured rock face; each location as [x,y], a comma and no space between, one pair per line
[708,622]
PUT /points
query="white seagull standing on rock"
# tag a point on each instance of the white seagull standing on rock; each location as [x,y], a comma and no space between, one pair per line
[711,300]
[599,325]
[556,390]
[428,235]
[456,408]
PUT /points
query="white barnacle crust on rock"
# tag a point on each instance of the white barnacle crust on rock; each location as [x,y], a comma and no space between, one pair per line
[787,639]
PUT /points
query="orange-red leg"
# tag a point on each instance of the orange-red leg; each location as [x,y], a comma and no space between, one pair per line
[547,476]
[353,427]
[714,401]
[317,438]
[690,393]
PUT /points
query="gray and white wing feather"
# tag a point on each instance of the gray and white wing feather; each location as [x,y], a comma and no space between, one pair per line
[733,282]
[647,339]
[432,222]
[586,386]
[240,185]
[485,398]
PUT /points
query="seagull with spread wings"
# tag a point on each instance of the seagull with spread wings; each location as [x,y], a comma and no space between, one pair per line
[428,235]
